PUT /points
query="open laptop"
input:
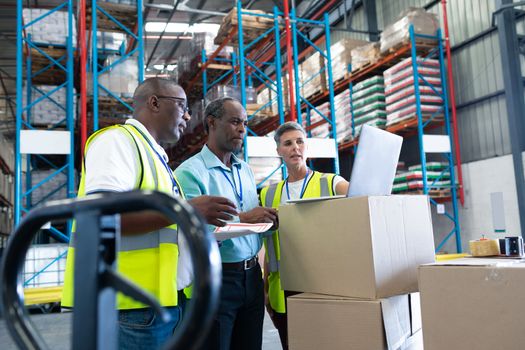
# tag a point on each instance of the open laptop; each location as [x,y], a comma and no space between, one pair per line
[374,167]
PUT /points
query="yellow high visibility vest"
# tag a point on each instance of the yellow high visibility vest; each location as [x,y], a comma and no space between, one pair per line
[319,185]
[150,259]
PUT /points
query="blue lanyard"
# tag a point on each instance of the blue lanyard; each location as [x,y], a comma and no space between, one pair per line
[176,190]
[303,188]
[232,184]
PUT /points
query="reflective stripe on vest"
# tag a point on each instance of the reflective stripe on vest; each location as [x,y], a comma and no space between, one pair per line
[325,183]
[149,260]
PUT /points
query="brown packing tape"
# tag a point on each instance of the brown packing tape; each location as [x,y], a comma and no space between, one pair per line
[486,247]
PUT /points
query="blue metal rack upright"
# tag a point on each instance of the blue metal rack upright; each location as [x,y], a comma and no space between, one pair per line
[222,78]
[98,8]
[444,109]
[302,102]
[259,73]
[423,120]
[24,123]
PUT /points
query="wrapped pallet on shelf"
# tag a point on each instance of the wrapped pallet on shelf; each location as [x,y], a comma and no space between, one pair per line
[368,104]
[364,56]
[313,76]
[263,167]
[398,33]
[411,181]
[49,112]
[401,94]
[343,116]
[49,30]
[252,26]
[341,53]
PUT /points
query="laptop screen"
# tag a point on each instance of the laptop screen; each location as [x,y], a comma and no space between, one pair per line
[375,163]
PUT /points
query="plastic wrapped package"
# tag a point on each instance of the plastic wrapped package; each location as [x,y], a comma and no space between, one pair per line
[49,111]
[407,63]
[410,91]
[411,100]
[312,75]
[363,55]
[409,112]
[262,167]
[375,80]
[377,114]
[341,53]
[374,89]
[398,32]
[52,29]
[204,41]
[377,97]
[409,82]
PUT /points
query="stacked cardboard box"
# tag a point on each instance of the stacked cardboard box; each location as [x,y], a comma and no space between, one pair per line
[473,303]
[312,75]
[411,181]
[398,33]
[50,110]
[368,103]
[362,268]
[341,53]
[401,94]
[364,55]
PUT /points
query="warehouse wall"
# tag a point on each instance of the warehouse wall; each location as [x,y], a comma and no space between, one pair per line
[481,178]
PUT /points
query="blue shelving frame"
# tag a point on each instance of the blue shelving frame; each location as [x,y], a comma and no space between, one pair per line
[444,109]
[301,100]
[259,73]
[424,121]
[223,78]
[97,70]
[23,115]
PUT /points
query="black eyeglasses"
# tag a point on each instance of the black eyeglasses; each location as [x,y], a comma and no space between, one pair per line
[181,103]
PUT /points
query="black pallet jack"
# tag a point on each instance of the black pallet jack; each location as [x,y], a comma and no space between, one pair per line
[95,318]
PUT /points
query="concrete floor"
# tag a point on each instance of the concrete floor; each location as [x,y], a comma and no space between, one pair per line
[56,331]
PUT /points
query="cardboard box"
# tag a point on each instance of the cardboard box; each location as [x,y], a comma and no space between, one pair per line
[473,304]
[365,247]
[328,322]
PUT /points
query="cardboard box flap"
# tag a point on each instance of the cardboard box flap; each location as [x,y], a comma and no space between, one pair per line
[396,320]
[313,296]
[478,262]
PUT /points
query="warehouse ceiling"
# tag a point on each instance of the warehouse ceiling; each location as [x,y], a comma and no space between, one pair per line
[159,52]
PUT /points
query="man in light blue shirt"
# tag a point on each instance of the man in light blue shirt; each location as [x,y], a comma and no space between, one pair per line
[217,171]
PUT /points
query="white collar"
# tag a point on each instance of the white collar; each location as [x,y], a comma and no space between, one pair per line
[146,133]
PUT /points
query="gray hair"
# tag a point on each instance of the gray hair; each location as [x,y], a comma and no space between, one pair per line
[215,109]
[288,126]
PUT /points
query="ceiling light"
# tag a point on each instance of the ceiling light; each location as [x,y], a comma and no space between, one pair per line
[177,27]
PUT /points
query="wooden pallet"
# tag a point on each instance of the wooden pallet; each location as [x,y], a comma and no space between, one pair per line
[252,27]
[53,75]
[422,45]
[411,122]
[363,67]
[315,94]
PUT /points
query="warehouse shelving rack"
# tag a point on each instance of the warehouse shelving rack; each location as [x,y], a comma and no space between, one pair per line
[259,60]
[108,13]
[61,65]
[424,47]
[304,102]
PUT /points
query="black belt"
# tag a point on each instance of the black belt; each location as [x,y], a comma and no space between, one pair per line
[241,265]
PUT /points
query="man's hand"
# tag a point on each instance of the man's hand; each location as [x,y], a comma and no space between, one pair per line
[260,214]
[214,209]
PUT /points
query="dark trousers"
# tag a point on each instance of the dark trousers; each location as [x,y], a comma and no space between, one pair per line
[239,321]
[280,321]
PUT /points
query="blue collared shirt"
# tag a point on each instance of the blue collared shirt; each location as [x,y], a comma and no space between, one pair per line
[203,174]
